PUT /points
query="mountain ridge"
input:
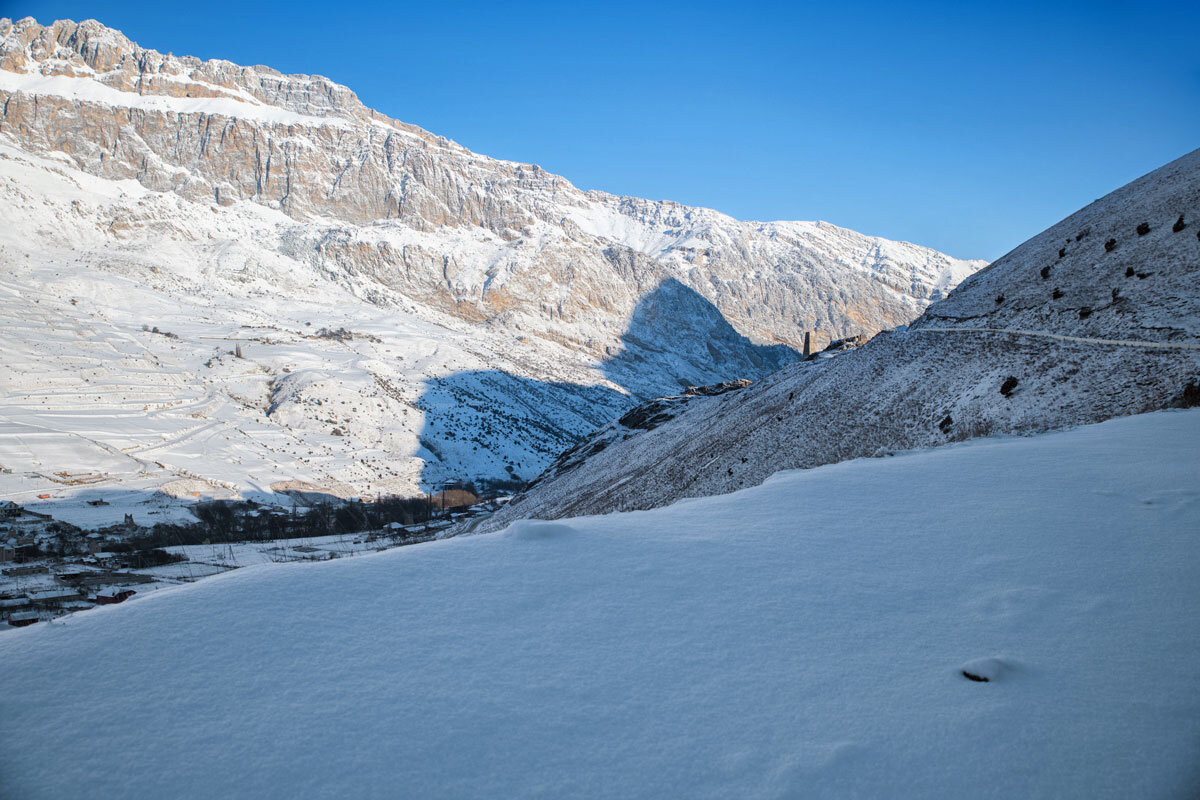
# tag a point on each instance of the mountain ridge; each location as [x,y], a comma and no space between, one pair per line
[1096,317]
[353,302]
[340,160]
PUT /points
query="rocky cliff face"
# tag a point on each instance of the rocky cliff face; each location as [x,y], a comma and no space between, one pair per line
[487,240]
[353,302]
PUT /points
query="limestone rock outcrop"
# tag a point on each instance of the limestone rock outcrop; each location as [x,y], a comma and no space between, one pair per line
[484,239]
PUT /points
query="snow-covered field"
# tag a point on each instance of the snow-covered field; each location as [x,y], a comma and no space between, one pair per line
[803,638]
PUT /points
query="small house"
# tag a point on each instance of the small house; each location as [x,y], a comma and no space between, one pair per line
[23,618]
[112,596]
[50,598]
[26,551]
[9,604]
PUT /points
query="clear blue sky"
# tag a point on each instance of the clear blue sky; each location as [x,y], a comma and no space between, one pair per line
[963,127]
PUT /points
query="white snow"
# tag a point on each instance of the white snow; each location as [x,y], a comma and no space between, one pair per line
[803,638]
[87,90]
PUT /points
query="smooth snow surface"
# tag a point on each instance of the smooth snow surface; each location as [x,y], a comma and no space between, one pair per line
[803,638]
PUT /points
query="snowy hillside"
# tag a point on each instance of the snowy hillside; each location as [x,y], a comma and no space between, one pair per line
[407,311]
[1097,317]
[807,637]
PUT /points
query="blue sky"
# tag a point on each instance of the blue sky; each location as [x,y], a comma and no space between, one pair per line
[963,127]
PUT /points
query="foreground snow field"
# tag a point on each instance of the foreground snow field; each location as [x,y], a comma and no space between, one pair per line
[804,638]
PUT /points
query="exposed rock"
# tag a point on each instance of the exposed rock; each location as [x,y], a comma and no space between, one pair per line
[718,388]
[849,343]
[651,414]
[475,236]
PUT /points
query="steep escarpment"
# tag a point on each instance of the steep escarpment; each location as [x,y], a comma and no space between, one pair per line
[1097,317]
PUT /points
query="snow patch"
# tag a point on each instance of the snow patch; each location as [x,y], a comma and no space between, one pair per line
[87,90]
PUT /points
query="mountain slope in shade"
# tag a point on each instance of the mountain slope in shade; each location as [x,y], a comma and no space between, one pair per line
[1097,317]
[407,311]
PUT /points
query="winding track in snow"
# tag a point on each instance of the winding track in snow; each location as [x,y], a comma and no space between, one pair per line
[1061,337]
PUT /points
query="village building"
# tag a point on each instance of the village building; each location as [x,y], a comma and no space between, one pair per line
[28,569]
[28,535]
[88,578]
[52,598]
[112,596]
[10,605]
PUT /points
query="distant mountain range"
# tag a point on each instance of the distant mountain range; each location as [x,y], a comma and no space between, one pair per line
[347,302]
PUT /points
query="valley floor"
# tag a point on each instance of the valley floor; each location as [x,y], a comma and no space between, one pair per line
[18,582]
[807,637]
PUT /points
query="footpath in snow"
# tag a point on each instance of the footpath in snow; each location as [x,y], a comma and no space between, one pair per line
[803,638]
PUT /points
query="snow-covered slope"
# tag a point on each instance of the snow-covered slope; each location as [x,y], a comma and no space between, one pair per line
[495,312]
[1097,317]
[803,638]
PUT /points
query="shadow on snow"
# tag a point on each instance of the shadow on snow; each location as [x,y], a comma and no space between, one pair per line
[490,430]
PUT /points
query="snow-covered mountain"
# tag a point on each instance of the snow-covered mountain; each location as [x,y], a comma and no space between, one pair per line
[1097,317]
[406,311]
